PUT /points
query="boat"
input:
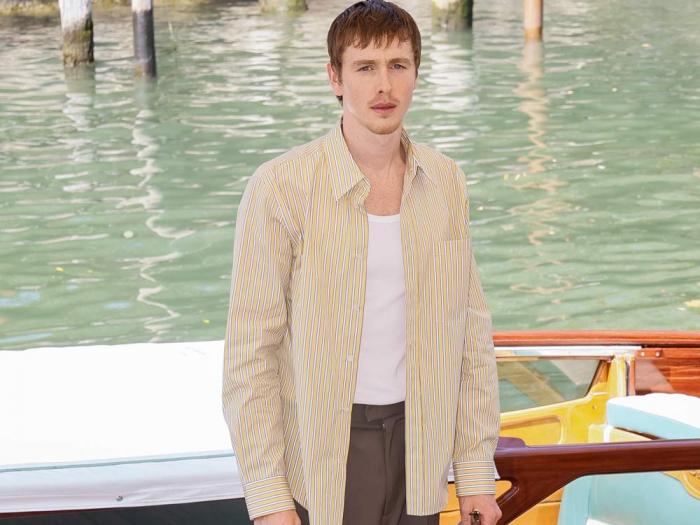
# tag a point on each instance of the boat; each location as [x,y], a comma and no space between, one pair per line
[135,434]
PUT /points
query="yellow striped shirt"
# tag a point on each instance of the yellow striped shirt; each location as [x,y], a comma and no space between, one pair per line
[294,325]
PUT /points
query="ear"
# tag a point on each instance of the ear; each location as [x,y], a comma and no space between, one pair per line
[334,80]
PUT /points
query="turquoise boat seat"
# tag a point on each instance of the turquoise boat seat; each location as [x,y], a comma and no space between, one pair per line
[645,498]
[668,416]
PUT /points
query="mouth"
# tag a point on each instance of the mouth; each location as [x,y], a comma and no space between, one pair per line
[383,108]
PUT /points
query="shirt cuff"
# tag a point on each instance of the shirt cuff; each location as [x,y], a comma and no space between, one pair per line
[474,477]
[266,496]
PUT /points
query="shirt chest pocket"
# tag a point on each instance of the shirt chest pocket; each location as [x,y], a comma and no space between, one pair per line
[448,279]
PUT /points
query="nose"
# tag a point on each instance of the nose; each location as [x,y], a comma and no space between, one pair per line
[384,81]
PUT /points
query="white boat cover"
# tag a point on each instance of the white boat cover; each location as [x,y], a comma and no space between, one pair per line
[114,426]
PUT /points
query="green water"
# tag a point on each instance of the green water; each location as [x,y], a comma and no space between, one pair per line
[118,199]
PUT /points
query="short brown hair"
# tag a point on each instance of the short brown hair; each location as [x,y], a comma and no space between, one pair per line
[371,21]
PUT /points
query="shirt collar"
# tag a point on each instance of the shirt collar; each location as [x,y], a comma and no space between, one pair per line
[345,173]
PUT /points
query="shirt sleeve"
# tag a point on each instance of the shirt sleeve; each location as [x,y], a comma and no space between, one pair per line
[478,410]
[257,322]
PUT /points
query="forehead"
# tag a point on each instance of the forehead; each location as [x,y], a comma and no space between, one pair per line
[379,51]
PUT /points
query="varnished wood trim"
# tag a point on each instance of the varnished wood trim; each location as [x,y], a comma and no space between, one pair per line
[536,472]
[644,338]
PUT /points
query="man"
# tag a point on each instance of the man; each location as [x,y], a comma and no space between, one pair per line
[359,362]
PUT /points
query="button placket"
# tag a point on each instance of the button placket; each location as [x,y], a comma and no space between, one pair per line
[356,252]
[360,242]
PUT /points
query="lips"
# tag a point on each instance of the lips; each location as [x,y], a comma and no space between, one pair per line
[384,109]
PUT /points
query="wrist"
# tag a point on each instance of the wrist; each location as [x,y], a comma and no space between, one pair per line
[475,501]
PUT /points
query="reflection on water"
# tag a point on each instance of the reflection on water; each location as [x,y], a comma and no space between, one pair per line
[146,150]
[534,105]
[118,198]
[540,215]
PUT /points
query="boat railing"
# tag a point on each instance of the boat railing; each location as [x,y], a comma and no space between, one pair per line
[538,471]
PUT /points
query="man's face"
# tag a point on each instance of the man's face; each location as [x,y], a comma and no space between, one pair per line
[376,84]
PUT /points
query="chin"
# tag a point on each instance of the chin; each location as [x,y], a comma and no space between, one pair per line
[384,128]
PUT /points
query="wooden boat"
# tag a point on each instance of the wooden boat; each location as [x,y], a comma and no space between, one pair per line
[134,433]
[642,400]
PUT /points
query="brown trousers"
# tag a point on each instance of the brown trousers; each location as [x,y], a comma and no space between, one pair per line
[375,489]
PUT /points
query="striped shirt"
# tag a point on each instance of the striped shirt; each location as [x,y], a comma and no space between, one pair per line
[295,321]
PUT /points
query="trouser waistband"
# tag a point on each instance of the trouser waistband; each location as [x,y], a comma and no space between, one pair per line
[367,414]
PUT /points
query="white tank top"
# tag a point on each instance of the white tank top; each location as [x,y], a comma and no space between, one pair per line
[381,375]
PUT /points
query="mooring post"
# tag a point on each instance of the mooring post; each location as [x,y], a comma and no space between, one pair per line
[76,28]
[271,6]
[453,14]
[144,39]
[532,19]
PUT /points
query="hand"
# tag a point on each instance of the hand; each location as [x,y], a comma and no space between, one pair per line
[484,503]
[284,517]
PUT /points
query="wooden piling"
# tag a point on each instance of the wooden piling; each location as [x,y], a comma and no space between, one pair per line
[76,29]
[272,6]
[144,39]
[453,14]
[532,19]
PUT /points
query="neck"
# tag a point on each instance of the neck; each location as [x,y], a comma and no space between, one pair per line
[374,153]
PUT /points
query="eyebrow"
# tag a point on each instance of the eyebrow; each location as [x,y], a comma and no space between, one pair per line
[358,63]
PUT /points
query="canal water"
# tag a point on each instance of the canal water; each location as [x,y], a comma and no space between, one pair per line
[118,198]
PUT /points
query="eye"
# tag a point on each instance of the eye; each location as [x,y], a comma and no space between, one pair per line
[365,68]
[399,66]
